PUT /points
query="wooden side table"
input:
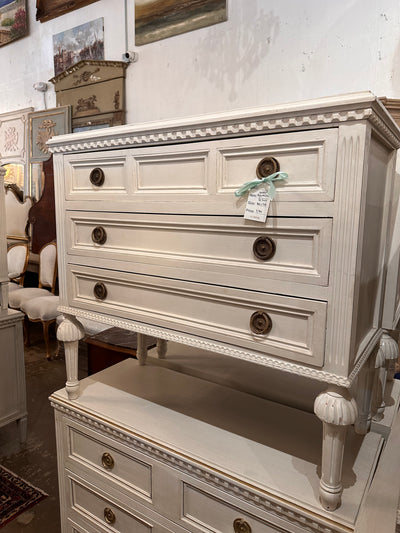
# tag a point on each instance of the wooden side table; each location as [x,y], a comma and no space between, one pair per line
[112,346]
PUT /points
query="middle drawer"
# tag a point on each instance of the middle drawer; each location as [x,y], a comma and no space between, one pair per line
[230,248]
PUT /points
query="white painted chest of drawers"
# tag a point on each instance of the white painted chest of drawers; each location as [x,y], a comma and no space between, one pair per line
[152,238]
[134,458]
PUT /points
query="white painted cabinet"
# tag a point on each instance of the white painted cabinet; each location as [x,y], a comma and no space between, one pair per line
[152,238]
[12,362]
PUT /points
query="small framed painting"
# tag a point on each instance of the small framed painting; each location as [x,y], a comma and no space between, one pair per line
[82,42]
[13,21]
[50,9]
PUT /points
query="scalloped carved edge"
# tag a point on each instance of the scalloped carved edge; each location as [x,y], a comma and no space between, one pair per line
[197,342]
[231,127]
[268,504]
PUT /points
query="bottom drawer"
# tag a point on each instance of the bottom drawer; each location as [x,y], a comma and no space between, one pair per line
[267,323]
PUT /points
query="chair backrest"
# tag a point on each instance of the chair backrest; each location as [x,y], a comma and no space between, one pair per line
[48,266]
[17,261]
[17,215]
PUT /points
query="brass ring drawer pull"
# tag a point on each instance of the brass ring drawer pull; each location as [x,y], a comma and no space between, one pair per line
[109,516]
[264,248]
[99,235]
[260,323]
[241,526]
[97,177]
[107,461]
[267,166]
[100,291]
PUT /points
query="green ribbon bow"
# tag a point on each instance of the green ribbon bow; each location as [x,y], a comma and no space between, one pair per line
[277,176]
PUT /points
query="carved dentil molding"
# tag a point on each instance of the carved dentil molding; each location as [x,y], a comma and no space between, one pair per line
[268,503]
[204,344]
[121,136]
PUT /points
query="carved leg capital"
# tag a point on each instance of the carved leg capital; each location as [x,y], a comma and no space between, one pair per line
[337,410]
[70,332]
[390,349]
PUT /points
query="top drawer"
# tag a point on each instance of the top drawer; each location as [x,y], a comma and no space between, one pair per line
[202,177]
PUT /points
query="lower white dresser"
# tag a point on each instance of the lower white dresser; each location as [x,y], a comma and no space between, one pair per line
[149,449]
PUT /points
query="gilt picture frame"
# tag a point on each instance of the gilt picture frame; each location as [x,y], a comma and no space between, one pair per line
[50,9]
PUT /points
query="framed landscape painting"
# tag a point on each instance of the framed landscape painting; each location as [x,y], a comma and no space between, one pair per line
[13,21]
[159,19]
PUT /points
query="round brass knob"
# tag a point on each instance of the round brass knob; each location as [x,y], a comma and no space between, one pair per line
[241,526]
[264,248]
[107,461]
[97,177]
[109,516]
[99,235]
[267,166]
[260,323]
[100,291]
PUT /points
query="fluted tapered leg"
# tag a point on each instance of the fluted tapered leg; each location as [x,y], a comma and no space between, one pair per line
[337,410]
[70,332]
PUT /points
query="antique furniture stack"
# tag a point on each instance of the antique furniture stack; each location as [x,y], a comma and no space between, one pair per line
[12,369]
[152,238]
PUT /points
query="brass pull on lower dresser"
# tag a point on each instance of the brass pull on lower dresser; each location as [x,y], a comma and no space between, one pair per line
[264,248]
[100,291]
[267,166]
[107,461]
[241,526]
[109,516]
[97,177]
[99,235]
[260,323]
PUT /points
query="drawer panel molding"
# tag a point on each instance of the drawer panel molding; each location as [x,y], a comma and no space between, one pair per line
[111,463]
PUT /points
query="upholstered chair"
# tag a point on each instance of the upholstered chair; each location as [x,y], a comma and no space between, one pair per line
[41,309]
[17,261]
[47,278]
[39,303]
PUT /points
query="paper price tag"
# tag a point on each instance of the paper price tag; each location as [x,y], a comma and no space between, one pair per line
[257,205]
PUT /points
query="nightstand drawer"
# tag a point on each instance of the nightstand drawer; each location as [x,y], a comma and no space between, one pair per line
[230,248]
[283,326]
[115,463]
[98,511]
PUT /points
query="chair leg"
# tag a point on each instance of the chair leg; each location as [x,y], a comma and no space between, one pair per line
[27,340]
[46,338]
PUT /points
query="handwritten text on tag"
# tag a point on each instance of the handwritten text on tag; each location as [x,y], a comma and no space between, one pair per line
[257,205]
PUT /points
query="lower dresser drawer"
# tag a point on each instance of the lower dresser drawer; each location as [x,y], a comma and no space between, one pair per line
[269,324]
[91,510]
